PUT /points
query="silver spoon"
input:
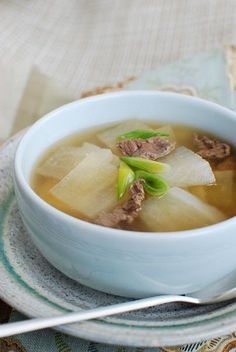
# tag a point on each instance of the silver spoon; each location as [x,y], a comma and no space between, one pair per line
[219,292]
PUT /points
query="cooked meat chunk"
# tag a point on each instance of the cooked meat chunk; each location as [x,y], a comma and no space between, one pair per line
[128,211]
[211,149]
[134,203]
[151,148]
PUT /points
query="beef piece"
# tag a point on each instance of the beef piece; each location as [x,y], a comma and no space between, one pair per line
[211,149]
[151,148]
[128,211]
[137,196]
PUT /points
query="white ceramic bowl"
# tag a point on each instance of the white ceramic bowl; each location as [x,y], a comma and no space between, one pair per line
[132,264]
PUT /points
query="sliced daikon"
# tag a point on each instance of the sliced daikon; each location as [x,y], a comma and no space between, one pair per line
[109,136]
[90,187]
[64,159]
[178,210]
[187,169]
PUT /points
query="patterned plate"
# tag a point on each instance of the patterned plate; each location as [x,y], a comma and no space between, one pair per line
[31,285]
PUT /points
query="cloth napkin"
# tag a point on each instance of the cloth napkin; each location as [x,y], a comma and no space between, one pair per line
[27,94]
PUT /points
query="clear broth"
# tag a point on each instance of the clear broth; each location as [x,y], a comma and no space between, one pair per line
[41,185]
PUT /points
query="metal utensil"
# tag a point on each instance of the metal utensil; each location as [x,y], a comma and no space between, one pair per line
[219,292]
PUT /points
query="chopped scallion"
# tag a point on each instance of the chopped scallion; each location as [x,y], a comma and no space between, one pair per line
[145,164]
[153,184]
[125,177]
[142,134]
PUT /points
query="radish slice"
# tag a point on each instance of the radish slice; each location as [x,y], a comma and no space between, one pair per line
[90,187]
[64,159]
[178,210]
[187,169]
[110,135]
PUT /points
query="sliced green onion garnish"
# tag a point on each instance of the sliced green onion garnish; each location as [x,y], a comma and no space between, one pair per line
[153,184]
[125,177]
[145,164]
[142,134]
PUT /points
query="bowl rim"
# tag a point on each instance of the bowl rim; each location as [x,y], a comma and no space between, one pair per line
[85,225]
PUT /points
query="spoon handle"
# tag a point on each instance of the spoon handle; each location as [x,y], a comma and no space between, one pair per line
[10,329]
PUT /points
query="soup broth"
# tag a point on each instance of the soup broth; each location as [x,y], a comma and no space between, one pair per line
[201,191]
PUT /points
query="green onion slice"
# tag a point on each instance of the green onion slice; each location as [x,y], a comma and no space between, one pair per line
[125,177]
[145,164]
[142,134]
[153,184]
